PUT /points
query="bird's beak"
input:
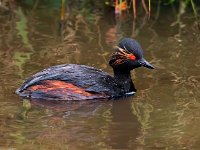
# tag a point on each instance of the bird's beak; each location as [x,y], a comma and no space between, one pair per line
[146,64]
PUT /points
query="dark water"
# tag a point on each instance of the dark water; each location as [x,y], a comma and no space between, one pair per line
[164,114]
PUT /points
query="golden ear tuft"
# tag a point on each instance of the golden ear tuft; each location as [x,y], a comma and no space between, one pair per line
[120,56]
[126,54]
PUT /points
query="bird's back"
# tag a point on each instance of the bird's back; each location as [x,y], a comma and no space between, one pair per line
[69,82]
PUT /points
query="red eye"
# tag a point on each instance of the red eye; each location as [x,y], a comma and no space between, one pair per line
[132,57]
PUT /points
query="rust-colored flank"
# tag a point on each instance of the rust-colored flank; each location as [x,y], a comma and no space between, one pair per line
[63,90]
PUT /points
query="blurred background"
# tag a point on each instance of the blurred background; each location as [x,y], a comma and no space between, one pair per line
[164,113]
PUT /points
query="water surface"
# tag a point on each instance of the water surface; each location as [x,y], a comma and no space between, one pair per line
[164,114]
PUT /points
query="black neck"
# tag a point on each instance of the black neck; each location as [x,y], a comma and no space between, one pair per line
[123,78]
[122,75]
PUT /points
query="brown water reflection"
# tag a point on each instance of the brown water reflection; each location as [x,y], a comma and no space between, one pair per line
[164,114]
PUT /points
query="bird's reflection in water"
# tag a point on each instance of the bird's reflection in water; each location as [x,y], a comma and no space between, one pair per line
[122,127]
[82,108]
[65,109]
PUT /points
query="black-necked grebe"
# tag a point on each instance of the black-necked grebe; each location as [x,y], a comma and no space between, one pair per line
[80,82]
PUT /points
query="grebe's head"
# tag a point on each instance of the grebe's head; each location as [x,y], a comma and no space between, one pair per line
[128,55]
